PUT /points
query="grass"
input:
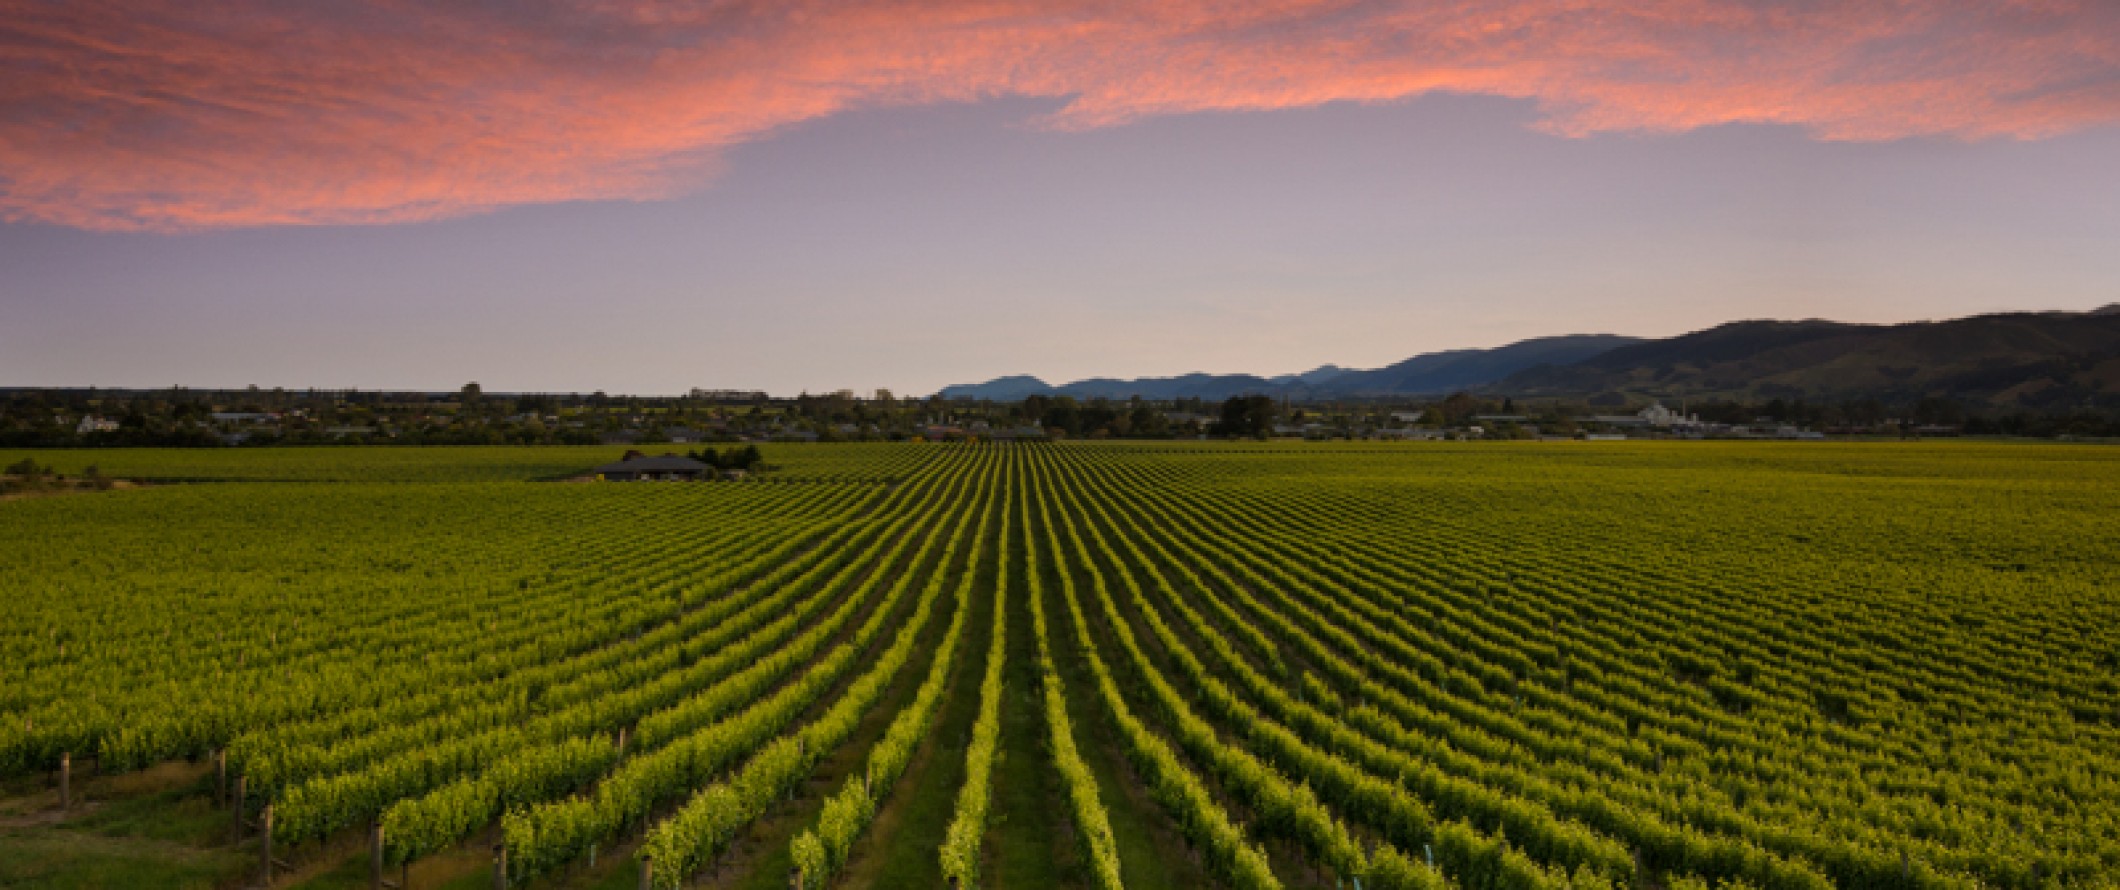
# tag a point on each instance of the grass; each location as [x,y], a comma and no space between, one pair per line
[155,830]
[62,858]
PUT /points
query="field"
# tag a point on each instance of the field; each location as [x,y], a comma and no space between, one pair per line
[1487,665]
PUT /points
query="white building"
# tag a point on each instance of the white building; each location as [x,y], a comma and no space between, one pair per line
[92,424]
[1659,416]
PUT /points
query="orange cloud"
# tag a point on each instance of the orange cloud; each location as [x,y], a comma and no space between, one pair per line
[170,116]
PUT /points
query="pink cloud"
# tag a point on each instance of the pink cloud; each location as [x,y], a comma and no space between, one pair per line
[173,116]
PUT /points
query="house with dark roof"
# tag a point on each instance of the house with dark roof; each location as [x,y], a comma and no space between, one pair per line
[667,468]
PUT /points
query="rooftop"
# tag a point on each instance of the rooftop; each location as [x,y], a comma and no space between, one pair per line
[668,463]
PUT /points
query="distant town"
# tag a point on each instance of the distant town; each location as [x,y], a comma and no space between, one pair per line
[469,416]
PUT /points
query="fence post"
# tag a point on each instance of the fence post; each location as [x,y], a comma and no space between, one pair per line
[266,828]
[794,877]
[220,778]
[621,740]
[66,780]
[375,856]
[500,867]
[241,781]
[647,873]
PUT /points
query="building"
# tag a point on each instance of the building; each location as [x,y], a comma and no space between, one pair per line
[1305,431]
[667,468]
[1656,415]
[1659,416]
[93,424]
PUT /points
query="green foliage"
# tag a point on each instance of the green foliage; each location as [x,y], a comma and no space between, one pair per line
[1739,665]
[1251,416]
[960,846]
[738,457]
[823,851]
[1092,824]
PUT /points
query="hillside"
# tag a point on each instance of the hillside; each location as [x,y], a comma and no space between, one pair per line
[2032,360]
[1440,373]
[1427,374]
[2029,360]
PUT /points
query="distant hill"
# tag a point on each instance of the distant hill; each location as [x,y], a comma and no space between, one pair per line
[1000,389]
[1430,374]
[1316,375]
[1442,373]
[1203,386]
[2031,360]
[2024,359]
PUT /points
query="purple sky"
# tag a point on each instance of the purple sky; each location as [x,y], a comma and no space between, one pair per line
[911,241]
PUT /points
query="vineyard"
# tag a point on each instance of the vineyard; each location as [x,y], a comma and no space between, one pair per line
[1099,665]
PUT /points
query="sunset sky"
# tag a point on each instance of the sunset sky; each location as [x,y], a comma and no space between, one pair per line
[646,197]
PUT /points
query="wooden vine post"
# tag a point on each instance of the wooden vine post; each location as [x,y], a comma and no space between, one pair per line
[241,782]
[265,828]
[375,856]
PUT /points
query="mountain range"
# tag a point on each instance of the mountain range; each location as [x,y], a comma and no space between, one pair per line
[1435,372]
[2038,360]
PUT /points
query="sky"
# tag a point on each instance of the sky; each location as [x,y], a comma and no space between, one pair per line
[578,195]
